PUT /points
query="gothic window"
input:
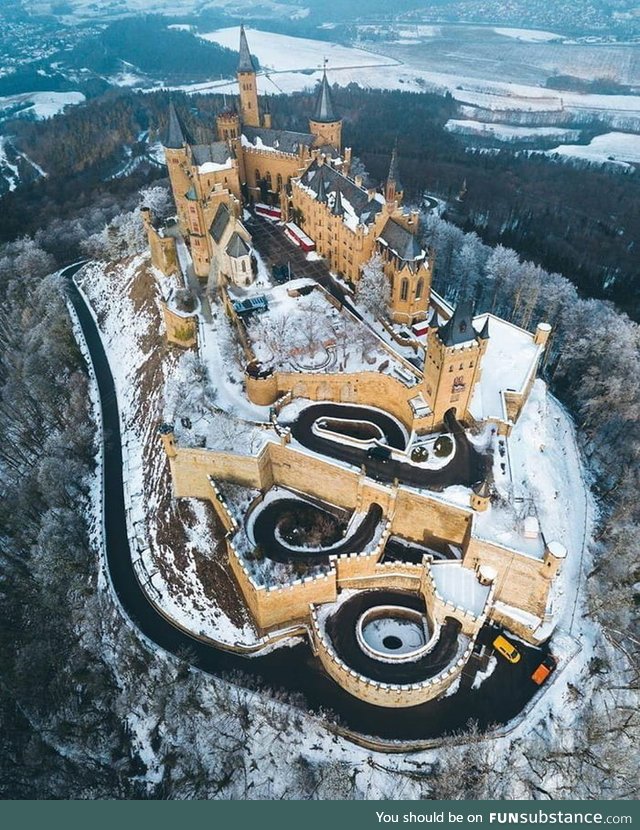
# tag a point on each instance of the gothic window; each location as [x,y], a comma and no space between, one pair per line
[279,182]
[257,175]
[268,178]
[244,266]
[404,289]
[419,288]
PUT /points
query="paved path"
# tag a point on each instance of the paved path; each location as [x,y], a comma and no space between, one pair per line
[341,628]
[268,518]
[467,466]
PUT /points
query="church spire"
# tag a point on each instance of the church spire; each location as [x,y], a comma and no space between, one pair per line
[392,187]
[245,64]
[324,111]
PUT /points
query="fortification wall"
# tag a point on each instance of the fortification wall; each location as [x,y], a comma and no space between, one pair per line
[521,581]
[382,694]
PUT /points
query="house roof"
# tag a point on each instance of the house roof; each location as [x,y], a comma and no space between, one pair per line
[245,63]
[402,242]
[324,111]
[220,222]
[217,152]
[285,141]
[323,179]
[237,246]
[177,134]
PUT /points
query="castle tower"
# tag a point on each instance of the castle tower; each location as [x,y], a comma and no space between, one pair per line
[393,188]
[249,108]
[176,143]
[453,363]
[325,123]
[228,124]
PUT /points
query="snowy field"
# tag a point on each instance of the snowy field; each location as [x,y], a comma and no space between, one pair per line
[283,53]
[622,149]
[529,35]
[39,104]
[508,132]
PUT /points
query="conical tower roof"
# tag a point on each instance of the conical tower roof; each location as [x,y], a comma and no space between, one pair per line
[393,168]
[177,134]
[324,110]
[458,329]
[338,207]
[245,64]
[321,192]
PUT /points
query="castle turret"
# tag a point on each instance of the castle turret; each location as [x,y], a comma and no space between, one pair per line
[325,123]
[453,363]
[228,124]
[481,496]
[177,142]
[249,108]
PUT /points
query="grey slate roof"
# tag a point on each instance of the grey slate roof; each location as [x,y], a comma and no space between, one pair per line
[459,328]
[217,151]
[324,110]
[323,178]
[484,334]
[337,209]
[220,222]
[237,247]
[285,141]
[177,134]
[245,64]
[402,242]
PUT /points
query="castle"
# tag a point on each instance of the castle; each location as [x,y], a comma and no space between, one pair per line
[306,175]
[468,372]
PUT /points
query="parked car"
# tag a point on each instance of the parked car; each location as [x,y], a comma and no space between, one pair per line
[506,649]
[379,453]
[545,668]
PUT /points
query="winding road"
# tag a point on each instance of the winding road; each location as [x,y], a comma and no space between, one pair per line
[274,547]
[502,697]
[467,467]
[341,628]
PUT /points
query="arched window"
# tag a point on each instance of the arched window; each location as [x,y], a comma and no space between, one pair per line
[268,178]
[404,289]
[257,176]
[419,288]
[243,266]
[279,182]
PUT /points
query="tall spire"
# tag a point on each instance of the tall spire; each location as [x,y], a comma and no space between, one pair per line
[245,64]
[324,110]
[177,134]
[393,169]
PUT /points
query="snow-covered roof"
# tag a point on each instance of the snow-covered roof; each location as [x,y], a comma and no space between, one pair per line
[401,242]
[214,167]
[322,182]
[215,153]
[460,586]
[277,141]
[507,365]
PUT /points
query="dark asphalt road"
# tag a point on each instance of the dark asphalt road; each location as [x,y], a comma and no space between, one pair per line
[341,628]
[268,518]
[467,466]
[294,669]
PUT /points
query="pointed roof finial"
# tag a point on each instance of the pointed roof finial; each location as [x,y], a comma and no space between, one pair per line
[338,208]
[245,64]
[177,134]
[324,111]
[393,168]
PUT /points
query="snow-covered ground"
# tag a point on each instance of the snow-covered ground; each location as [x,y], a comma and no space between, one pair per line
[39,104]
[508,132]
[285,53]
[529,35]
[460,586]
[510,358]
[622,149]
[177,555]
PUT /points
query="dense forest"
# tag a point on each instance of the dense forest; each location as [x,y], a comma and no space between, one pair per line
[569,217]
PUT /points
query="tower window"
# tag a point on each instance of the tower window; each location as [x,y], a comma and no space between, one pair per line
[419,288]
[404,289]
